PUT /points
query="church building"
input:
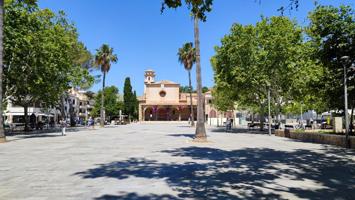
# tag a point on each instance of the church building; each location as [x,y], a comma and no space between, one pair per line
[163,101]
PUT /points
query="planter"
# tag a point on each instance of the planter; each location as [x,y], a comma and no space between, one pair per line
[320,138]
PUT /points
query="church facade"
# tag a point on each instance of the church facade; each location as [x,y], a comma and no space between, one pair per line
[163,101]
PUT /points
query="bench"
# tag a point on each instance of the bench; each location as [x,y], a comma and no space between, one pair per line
[252,125]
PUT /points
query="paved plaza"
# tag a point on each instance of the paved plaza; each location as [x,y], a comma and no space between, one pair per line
[159,161]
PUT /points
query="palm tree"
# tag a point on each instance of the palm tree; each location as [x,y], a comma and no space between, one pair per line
[200,133]
[187,57]
[2,133]
[103,59]
[198,9]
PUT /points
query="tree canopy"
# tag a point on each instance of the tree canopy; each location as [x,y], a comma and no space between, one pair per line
[112,102]
[253,59]
[130,99]
[332,34]
[43,56]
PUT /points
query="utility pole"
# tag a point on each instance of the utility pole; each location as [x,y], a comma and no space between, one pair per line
[344,60]
[269,107]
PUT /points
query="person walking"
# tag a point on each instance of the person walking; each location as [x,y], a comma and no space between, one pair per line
[92,123]
[228,125]
[63,124]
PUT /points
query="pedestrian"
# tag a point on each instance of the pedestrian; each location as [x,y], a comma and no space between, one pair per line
[228,125]
[63,124]
[33,120]
[311,122]
[92,122]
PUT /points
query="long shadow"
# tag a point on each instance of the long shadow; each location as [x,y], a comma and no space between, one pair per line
[238,130]
[183,135]
[252,173]
[135,196]
[39,136]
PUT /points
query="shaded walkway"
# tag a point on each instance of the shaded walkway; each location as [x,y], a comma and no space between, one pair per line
[252,173]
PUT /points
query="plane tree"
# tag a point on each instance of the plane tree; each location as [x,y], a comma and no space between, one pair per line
[41,56]
[268,56]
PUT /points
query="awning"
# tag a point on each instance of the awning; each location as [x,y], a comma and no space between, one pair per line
[29,114]
[14,114]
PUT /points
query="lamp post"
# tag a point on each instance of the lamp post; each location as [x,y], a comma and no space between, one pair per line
[344,60]
[269,108]
[301,115]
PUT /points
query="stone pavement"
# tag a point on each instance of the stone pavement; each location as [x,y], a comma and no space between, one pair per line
[159,161]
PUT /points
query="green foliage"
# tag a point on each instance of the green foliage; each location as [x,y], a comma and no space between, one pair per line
[136,105]
[252,59]
[129,99]
[185,89]
[198,8]
[332,33]
[205,89]
[105,57]
[43,57]
[112,103]
[186,55]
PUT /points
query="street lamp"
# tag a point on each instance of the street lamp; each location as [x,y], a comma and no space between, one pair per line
[269,108]
[344,60]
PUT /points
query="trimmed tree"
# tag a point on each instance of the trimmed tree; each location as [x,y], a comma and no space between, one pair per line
[128,98]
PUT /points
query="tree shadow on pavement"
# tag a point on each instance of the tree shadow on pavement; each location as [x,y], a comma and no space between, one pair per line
[135,196]
[182,135]
[251,173]
[238,130]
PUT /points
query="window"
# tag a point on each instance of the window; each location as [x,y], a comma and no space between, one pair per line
[162,93]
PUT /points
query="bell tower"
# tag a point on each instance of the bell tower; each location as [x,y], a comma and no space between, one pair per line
[149,76]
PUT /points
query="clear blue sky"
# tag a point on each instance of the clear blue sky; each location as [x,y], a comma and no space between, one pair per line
[143,38]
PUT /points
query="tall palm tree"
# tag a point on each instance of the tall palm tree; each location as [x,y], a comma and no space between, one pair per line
[2,133]
[103,59]
[186,56]
[198,9]
[200,132]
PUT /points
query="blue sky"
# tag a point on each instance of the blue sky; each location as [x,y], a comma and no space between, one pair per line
[145,39]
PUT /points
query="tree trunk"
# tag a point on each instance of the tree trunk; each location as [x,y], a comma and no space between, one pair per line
[200,133]
[71,114]
[2,132]
[352,119]
[25,109]
[102,111]
[262,119]
[192,108]
[62,106]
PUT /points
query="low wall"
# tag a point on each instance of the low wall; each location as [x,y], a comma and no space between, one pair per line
[321,138]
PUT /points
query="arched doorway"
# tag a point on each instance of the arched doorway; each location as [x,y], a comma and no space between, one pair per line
[148,114]
[185,113]
[228,114]
[174,114]
[162,114]
[212,114]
